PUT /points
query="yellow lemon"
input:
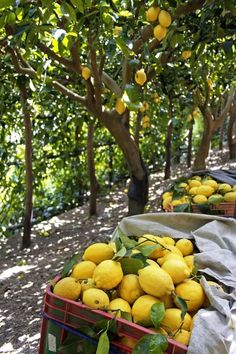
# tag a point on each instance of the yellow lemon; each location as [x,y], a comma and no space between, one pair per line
[185,246]
[199,199]
[159,32]
[117,31]
[112,245]
[108,274]
[87,284]
[129,288]
[230,197]
[140,77]
[141,309]
[186,54]
[167,202]
[168,240]
[68,288]
[192,292]
[98,252]
[194,183]
[224,188]
[152,262]
[155,281]
[210,182]
[120,106]
[173,249]
[152,13]
[189,261]
[193,190]
[164,18]
[167,301]
[96,298]
[83,270]
[205,190]
[117,305]
[169,255]
[152,240]
[182,336]
[177,269]
[172,320]
[176,202]
[86,73]
[234,188]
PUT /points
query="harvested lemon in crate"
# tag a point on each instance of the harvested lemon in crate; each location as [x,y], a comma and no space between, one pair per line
[150,280]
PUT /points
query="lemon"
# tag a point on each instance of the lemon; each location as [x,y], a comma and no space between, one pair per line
[173,249]
[176,202]
[117,31]
[210,182]
[86,73]
[166,195]
[129,288]
[186,54]
[119,304]
[98,252]
[205,190]
[192,292]
[83,270]
[87,284]
[152,262]
[159,32]
[194,183]
[95,298]
[215,199]
[152,13]
[164,18]
[152,240]
[120,106]
[113,246]
[189,260]
[177,269]
[108,274]
[169,255]
[129,342]
[167,202]
[167,301]
[68,288]
[230,197]
[172,320]
[140,77]
[199,199]
[234,188]
[141,309]
[224,188]
[155,281]
[193,190]
[185,246]
[168,240]
[182,336]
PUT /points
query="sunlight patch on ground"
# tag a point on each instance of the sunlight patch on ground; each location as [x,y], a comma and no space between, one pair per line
[15,270]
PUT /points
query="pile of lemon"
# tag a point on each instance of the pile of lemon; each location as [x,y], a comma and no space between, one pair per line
[100,281]
[198,190]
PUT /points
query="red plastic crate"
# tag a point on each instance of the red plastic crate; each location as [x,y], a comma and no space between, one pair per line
[227,209]
[74,314]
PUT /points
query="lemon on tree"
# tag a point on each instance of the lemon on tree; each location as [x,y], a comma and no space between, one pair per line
[108,274]
[86,73]
[141,309]
[117,305]
[98,252]
[172,320]
[120,106]
[95,298]
[186,54]
[155,281]
[129,288]
[140,77]
[152,13]
[185,246]
[159,32]
[177,269]
[164,18]
[192,292]
[68,288]
[83,270]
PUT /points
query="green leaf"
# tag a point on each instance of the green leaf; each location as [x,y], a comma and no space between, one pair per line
[125,240]
[68,10]
[79,4]
[121,253]
[69,345]
[132,93]
[126,315]
[151,344]
[123,47]
[183,306]
[183,208]
[103,344]
[146,250]
[118,244]
[131,265]
[69,265]
[6,3]
[157,314]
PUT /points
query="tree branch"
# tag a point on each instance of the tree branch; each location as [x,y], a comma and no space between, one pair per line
[75,57]
[96,76]
[111,84]
[225,110]
[20,69]
[69,93]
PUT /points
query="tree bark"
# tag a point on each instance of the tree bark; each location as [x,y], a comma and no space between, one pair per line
[26,241]
[231,132]
[168,141]
[190,140]
[138,128]
[93,183]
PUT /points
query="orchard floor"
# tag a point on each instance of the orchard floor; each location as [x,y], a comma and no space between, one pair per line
[25,273]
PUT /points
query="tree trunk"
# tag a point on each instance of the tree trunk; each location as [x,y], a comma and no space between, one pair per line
[189,152]
[91,171]
[26,241]
[222,129]
[138,128]
[138,187]
[203,150]
[231,133]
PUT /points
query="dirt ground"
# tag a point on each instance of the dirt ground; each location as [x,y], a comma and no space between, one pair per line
[25,273]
